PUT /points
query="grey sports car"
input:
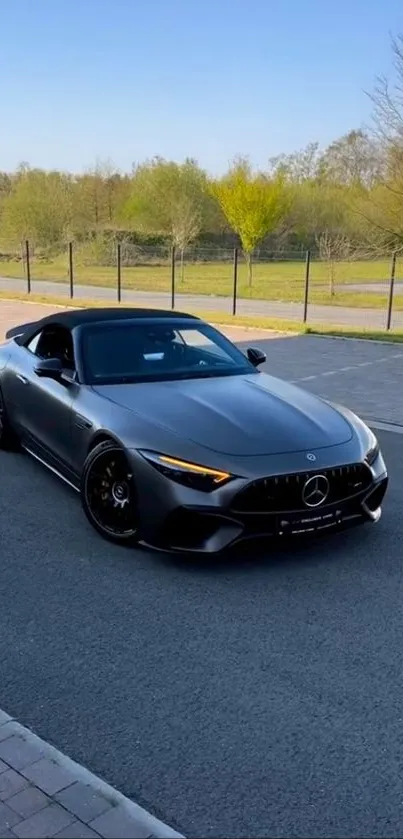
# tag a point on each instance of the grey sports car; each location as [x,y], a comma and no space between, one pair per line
[175,439]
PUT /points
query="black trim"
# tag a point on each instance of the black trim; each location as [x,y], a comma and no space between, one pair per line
[48,459]
[283,493]
[18,332]
[78,317]
[195,529]
[82,422]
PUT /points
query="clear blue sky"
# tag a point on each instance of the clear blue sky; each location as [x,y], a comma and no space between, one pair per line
[127,79]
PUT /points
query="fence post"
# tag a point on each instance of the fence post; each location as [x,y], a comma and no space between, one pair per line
[391,290]
[306,293]
[119,267]
[28,264]
[71,269]
[173,277]
[235,285]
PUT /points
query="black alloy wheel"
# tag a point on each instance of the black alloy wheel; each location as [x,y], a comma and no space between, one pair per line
[108,494]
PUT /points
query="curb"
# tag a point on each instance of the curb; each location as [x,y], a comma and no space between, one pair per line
[144,823]
[382,425]
[361,338]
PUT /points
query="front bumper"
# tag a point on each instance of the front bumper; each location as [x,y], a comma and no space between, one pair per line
[209,528]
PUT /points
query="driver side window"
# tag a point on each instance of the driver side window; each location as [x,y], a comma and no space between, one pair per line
[54,342]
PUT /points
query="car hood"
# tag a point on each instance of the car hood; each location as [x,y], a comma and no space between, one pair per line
[236,415]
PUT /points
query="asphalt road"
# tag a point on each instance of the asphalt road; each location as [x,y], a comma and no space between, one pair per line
[260,697]
[340,315]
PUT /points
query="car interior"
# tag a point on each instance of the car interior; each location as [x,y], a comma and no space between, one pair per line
[125,352]
[54,342]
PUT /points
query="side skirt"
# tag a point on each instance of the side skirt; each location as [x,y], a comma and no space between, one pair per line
[59,474]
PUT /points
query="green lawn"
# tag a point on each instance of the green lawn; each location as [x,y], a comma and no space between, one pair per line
[277,281]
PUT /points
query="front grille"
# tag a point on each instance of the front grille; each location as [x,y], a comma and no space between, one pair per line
[283,493]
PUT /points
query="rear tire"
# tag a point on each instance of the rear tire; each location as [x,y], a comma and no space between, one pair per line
[109,495]
[8,438]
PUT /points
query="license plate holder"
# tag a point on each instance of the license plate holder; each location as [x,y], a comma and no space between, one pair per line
[309,522]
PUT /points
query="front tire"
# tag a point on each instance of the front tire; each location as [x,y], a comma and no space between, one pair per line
[109,495]
[8,439]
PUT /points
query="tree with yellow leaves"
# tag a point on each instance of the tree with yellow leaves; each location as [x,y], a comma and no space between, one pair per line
[253,204]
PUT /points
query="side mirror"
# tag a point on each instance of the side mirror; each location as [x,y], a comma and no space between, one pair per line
[256,356]
[49,368]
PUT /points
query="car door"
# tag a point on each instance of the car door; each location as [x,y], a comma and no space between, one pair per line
[42,407]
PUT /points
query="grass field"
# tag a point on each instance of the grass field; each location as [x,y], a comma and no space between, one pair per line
[276,281]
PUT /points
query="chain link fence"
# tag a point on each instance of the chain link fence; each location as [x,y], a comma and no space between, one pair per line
[314,287]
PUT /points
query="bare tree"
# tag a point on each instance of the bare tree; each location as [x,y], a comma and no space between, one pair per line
[384,206]
[388,100]
[333,248]
[299,166]
[353,160]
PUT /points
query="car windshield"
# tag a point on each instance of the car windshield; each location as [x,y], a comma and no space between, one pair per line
[160,351]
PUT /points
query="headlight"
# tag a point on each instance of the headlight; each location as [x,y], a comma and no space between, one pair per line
[189,474]
[372,448]
[372,452]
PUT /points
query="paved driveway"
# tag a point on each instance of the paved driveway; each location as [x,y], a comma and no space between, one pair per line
[251,699]
[260,697]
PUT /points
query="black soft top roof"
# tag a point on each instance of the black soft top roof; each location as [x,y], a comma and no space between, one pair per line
[77,317]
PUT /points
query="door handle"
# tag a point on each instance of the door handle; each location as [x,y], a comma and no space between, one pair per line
[22,379]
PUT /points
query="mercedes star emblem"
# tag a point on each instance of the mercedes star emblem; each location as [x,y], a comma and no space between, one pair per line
[315,491]
[311,456]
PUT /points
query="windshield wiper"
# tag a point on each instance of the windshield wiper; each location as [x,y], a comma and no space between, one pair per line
[206,374]
[172,377]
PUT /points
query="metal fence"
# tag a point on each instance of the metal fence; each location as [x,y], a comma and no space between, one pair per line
[359,292]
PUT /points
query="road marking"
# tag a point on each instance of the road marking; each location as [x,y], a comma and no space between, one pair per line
[384,426]
[347,369]
[377,341]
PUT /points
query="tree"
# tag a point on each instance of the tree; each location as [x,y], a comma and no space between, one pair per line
[382,208]
[324,218]
[252,203]
[6,186]
[333,247]
[170,199]
[39,207]
[98,197]
[299,166]
[354,160]
[387,100]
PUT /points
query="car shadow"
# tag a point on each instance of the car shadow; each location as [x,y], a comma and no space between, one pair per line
[269,554]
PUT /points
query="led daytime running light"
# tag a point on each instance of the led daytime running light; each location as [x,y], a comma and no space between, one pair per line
[217,476]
